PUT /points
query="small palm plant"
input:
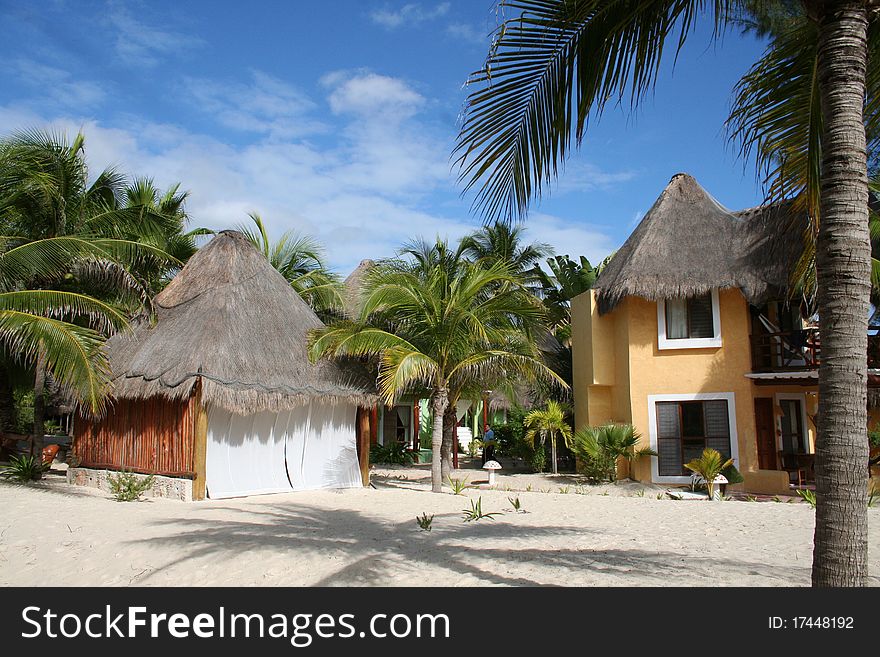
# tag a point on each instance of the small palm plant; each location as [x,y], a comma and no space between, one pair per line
[709,466]
[424,521]
[476,512]
[548,423]
[600,448]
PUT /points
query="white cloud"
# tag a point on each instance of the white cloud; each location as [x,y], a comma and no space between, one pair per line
[469,34]
[580,177]
[370,94]
[412,13]
[264,105]
[570,237]
[380,178]
[139,44]
[58,86]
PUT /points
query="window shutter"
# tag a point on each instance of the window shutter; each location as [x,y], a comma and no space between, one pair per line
[700,311]
[717,426]
[669,439]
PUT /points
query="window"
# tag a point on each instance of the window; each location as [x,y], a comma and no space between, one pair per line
[688,323]
[686,428]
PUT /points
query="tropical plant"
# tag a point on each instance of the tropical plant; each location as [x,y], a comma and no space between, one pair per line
[393,453]
[438,330]
[424,521]
[474,447]
[569,279]
[548,423]
[556,63]
[129,487]
[502,242]
[69,256]
[141,196]
[516,504]
[709,466]
[300,259]
[807,496]
[476,512]
[458,485]
[24,468]
[598,449]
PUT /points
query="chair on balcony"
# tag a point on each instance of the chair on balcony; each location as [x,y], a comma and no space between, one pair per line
[792,346]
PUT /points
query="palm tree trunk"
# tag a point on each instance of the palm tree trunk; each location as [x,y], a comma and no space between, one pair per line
[553,451]
[449,423]
[39,405]
[840,549]
[439,404]
[7,401]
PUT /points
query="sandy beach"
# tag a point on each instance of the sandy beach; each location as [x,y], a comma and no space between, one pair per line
[55,534]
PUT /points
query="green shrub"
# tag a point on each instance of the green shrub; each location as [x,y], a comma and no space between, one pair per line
[732,475]
[538,459]
[24,469]
[128,487]
[424,521]
[599,448]
[391,454]
[874,435]
[807,496]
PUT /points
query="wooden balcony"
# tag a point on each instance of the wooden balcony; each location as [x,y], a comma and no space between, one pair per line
[798,351]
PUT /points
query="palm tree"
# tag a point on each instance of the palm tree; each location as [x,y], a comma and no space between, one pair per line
[432,328]
[548,423]
[600,448]
[66,237]
[502,242]
[143,197]
[300,259]
[558,62]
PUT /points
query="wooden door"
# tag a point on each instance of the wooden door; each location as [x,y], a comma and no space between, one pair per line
[765,433]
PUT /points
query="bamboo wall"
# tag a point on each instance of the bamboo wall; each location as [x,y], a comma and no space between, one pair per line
[153,436]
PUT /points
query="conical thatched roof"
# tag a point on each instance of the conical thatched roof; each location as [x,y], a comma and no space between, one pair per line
[352,288]
[231,319]
[688,244]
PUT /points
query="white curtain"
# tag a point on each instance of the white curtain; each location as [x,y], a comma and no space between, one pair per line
[676,318]
[309,447]
[461,407]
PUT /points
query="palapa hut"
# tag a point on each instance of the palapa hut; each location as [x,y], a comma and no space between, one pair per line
[688,244]
[220,388]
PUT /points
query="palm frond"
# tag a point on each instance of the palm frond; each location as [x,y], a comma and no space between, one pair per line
[552,66]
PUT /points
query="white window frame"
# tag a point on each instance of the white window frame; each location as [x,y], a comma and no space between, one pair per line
[729,397]
[689,343]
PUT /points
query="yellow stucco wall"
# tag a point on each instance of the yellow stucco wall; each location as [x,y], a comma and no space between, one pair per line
[618,364]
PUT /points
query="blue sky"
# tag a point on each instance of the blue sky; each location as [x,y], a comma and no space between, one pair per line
[337,117]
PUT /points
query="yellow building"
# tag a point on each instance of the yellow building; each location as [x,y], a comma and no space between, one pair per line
[687,336]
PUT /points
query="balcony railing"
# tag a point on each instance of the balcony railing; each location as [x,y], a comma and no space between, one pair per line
[792,351]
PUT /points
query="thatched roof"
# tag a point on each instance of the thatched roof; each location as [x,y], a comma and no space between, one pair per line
[688,243]
[231,319]
[352,289]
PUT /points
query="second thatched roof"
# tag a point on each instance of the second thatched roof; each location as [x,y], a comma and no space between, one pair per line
[688,244]
[232,320]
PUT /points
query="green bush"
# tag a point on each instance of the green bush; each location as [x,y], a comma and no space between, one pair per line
[599,448]
[732,475]
[538,459]
[874,435]
[128,487]
[24,469]
[391,454]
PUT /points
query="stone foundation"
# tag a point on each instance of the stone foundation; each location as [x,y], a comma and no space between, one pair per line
[174,488]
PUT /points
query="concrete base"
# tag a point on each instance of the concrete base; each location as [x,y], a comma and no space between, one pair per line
[766,482]
[174,488]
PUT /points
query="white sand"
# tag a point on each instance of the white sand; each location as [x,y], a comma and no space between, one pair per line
[55,534]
